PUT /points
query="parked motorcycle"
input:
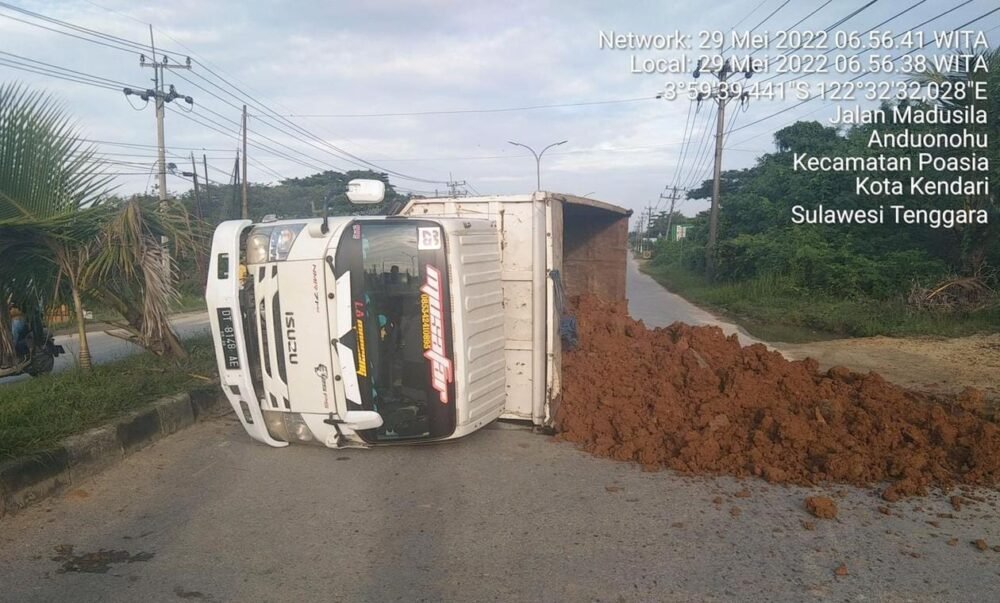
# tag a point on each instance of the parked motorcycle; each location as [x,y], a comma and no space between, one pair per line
[35,351]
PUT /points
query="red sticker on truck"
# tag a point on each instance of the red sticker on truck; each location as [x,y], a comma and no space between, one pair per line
[432,311]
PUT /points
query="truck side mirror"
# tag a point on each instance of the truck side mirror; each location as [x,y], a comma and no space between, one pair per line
[365,192]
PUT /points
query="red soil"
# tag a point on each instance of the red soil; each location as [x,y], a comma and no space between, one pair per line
[821,507]
[690,399]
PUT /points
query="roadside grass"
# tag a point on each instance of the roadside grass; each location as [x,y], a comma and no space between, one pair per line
[771,310]
[36,414]
[189,303]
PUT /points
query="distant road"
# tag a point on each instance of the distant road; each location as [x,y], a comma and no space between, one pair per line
[649,302]
[105,348]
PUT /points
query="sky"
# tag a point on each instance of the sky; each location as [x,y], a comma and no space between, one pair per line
[334,69]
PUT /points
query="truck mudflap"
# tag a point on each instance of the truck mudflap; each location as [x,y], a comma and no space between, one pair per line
[222,297]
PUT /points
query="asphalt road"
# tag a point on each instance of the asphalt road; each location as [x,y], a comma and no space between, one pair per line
[657,307]
[503,515]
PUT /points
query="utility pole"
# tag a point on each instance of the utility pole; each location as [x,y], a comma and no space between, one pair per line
[638,235]
[236,182]
[198,214]
[453,186]
[160,99]
[713,217]
[641,232]
[208,193]
[670,216]
[245,214]
[721,94]
[649,220]
[197,200]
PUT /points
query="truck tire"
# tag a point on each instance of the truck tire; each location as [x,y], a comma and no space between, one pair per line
[41,363]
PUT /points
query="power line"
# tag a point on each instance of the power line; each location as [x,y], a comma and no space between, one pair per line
[685,144]
[202,62]
[235,136]
[814,11]
[66,33]
[774,12]
[867,73]
[828,29]
[702,165]
[281,144]
[747,16]
[464,111]
[873,28]
[702,146]
[329,148]
[799,22]
[102,37]
[688,122]
[149,146]
[224,118]
[722,75]
[132,46]
[800,117]
[261,166]
[82,74]
[57,74]
[851,15]
[337,152]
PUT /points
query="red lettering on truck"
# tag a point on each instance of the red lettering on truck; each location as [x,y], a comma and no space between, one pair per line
[436,355]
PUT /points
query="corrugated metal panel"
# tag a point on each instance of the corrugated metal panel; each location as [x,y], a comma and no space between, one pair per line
[478,319]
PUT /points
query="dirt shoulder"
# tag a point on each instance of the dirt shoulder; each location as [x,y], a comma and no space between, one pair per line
[928,363]
[931,364]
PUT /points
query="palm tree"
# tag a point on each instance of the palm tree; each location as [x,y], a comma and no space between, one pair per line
[46,173]
[63,234]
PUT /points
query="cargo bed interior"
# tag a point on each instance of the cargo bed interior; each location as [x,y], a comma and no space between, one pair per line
[595,249]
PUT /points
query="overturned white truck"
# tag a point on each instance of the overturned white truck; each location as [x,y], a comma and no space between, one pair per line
[427,325]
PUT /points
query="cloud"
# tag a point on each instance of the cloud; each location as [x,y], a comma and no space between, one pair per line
[393,56]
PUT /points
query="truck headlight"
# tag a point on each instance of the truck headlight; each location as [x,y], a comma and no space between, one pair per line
[287,426]
[282,239]
[257,245]
[297,428]
[272,243]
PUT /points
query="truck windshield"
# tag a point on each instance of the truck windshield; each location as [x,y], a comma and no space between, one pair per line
[401,336]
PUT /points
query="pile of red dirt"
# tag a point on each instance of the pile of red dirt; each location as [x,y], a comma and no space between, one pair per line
[691,399]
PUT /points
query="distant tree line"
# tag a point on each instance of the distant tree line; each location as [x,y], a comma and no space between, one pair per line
[758,239]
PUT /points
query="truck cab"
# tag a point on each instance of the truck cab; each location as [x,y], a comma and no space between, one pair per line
[363,331]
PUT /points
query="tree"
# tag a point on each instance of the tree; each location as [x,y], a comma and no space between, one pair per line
[46,173]
[982,240]
[61,235]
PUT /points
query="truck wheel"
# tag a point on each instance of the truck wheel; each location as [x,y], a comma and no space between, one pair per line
[41,363]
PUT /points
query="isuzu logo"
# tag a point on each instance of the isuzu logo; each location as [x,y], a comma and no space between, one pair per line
[432,309]
[293,346]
